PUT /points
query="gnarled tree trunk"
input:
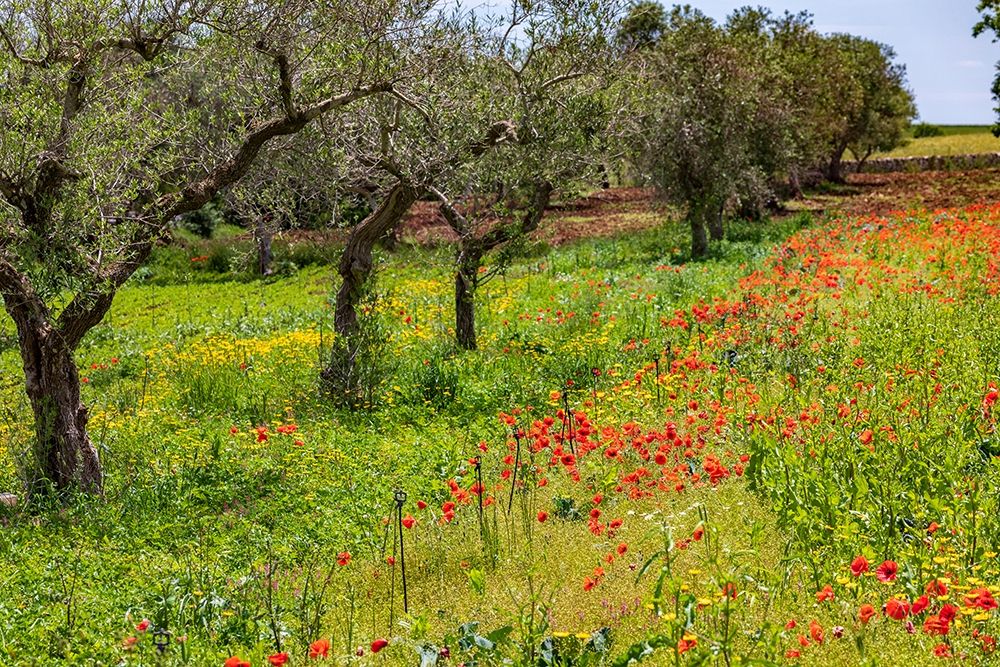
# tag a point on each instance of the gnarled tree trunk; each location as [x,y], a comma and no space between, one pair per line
[64,453]
[473,248]
[834,170]
[466,282]
[699,237]
[264,236]
[716,229]
[356,260]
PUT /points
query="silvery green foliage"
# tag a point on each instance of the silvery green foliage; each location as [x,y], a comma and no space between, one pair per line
[713,128]
[117,115]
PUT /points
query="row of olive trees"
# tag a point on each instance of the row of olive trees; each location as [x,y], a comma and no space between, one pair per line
[726,112]
[117,117]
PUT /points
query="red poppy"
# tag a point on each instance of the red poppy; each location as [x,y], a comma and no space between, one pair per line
[408,521]
[859,566]
[319,648]
[816,631]
[980,598]
[343,558]
[379,644]
[942,651]
[920,605]
[936,587]
[278,659]
[698,533]
[886,572]
[790,625]
[936,625]
[542,516]
[622,548]
[142,625]
[865,613]
[685,645]
[791,654]
[236,661]
[866,436]
[825,594]
[421,505]
[897,609]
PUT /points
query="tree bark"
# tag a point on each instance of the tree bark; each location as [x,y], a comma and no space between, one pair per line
[795,183]
[602,171]
[473,248]
[356,260]
[699,239]
[834,170]
[264,254]
[64,453]
[466,282]
[716,229]
[862,161]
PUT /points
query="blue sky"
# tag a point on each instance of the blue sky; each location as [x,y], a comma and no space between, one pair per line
[949,71]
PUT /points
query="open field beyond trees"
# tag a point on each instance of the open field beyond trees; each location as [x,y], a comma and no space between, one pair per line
[955,140]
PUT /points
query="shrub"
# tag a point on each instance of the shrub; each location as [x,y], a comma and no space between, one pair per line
[923,130]
[360,363]
[204,221]
[435,381]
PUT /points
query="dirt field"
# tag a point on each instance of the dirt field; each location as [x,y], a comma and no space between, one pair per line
[613,211]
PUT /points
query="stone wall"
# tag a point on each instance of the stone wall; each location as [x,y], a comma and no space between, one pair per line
[929,163]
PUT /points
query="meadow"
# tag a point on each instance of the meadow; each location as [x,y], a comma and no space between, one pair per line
[784,453]
[955,140]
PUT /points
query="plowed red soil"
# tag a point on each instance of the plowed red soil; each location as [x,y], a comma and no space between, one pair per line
[616,211]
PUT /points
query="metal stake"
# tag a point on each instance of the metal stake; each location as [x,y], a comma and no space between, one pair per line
[513,478]
[400,497]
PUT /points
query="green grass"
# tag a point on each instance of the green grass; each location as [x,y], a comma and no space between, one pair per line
[234,483]
[953,130]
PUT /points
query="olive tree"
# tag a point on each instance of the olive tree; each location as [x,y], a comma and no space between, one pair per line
[643,25]
[496,81]
[874,108]
[551,81]
[711,125]
[809,76]
[116,117]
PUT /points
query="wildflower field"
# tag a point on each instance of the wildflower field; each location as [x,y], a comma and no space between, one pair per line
[783,454]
